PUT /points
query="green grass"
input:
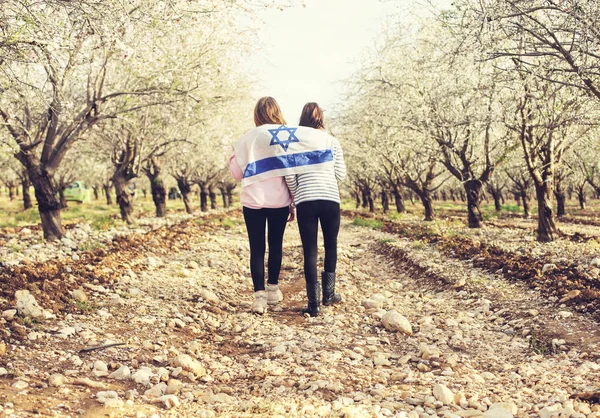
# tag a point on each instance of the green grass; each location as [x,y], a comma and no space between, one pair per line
[84,307]
[96,212]
[418,245]
[386,240]
[90,246]
[103,223]
[369,223]
[230,223]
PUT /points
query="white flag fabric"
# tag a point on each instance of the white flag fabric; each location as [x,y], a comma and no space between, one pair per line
[269,151]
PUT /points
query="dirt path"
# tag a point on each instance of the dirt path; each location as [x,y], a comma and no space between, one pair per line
[192,345]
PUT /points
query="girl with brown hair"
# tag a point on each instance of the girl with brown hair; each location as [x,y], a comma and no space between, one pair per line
[265,203]
[317,199]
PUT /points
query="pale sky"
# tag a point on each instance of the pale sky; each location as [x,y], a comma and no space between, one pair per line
[308,52]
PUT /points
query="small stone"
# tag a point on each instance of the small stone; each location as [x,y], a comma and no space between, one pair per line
[460,283]
[443,394]
[109,399]
[209,296]
[89,383]
[571,295]
[186,362]
[27,305]
[173,387]
[2,348]
[548,267]
[595,262]
[170,401]
[9,314]
[114,403]
[507,406]
[550,411]
[143,376]
[134,291]
[57,380]
[20,385]
[393,321]
[157,390]
[564,314]
[122,373]
[100,366]
[79,295]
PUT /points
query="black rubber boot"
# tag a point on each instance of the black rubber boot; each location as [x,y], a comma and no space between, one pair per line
[314,302]
[329,295]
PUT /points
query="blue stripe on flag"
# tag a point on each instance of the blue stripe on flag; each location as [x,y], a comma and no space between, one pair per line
[288,161]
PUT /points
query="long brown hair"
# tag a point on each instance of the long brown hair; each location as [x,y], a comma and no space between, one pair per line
[312,116]
[267,111]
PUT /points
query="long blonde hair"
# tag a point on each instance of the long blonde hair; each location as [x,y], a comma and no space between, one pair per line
[267,111]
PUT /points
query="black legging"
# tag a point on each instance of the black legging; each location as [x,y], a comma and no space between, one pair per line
[256,221]
[309,215]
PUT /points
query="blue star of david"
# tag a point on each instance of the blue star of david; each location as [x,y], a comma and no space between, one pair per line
[284,144]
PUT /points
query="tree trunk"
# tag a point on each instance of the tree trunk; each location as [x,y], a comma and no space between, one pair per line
[124,197]
[145,193]
[371,203]
[525,200]
[203,199]
[496,196]
[400,208]
[107,194]
[385,201]
[473,193]
[427,205]
[61,195]
[25,183]
[230,197]
[96,195]
[11,193]
[452,196]
[185,188]
[560,203]
[186,202]
[223,196]
[48,203]
[159,196]
[365,199]
[213,198]
[546,226]
[444,195]
[581,198]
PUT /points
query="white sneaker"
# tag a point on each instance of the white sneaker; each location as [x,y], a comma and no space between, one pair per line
[260,302]
[274,295]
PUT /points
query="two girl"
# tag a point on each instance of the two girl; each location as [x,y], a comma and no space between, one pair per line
[302,174]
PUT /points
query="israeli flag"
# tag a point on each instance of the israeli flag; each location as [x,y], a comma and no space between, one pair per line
[278,150]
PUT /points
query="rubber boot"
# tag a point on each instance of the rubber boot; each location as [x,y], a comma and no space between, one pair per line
[329,295]
[314,302]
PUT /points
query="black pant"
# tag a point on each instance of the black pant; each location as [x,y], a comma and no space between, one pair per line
[309,215]
[256,221]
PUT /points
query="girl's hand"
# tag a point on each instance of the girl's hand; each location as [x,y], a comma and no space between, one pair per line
[292,213]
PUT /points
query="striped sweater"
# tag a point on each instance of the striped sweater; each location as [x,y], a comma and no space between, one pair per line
[319,185]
